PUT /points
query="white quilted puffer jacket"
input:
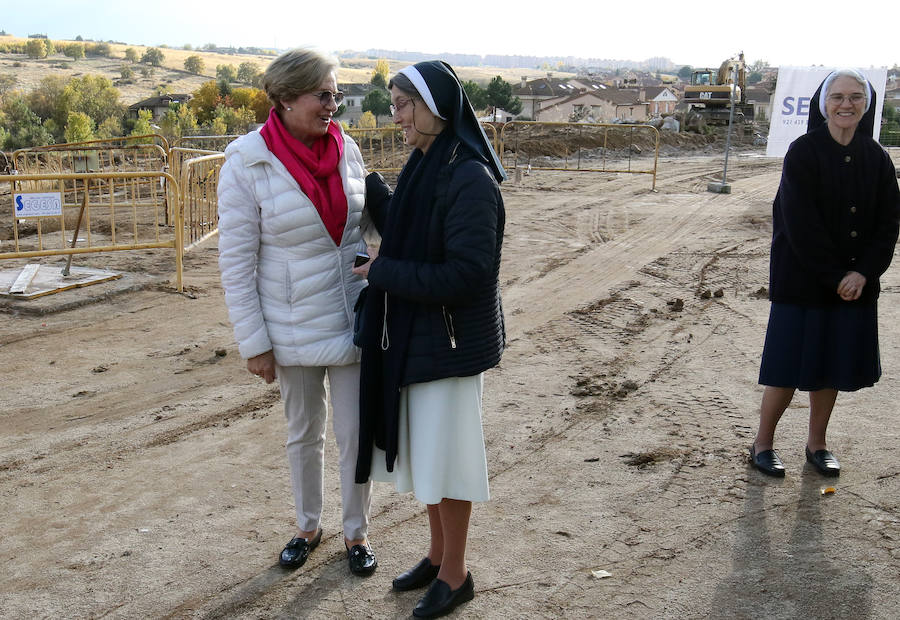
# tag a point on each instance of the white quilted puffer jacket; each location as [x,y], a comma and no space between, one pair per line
[288,287]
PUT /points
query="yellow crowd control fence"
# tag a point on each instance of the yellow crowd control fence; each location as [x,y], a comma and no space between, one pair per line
[586,147]
[63,214]
[199,180]
[208,143]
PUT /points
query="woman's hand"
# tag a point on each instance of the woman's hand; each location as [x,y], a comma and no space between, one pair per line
[263,365]
[363,270]
[851,286]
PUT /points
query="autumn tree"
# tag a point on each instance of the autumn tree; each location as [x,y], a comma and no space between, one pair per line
[35,48]
[131,54]
[142,126]
[126,72]
[204,101]
[97,49]
[382,69]
[95,96]
[110,128]
[194,64]
[254,99]
[179,120]
[367,121]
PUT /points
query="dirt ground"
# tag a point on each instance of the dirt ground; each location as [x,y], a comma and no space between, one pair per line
[142,469]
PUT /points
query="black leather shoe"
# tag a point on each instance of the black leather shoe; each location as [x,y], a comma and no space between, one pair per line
[417,577]
[824,462]
[361,559]
[767,462]
[295,552]
[440,600]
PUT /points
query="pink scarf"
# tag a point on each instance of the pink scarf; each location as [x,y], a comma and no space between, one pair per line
[315,170]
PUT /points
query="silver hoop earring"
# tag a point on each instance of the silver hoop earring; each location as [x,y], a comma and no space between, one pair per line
[289,109]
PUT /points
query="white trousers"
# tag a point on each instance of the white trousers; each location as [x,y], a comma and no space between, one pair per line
[303,392]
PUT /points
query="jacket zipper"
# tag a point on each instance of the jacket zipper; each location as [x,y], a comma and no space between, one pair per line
[448,323]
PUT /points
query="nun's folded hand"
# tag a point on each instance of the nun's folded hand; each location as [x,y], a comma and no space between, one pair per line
[851,286]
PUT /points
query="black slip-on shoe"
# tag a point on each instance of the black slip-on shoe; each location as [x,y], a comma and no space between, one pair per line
[824,462]
[767,461]
[417,577]
[440,600]
[295,552]
[361,559]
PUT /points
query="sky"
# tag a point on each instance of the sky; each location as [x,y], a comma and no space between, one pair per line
[790,33]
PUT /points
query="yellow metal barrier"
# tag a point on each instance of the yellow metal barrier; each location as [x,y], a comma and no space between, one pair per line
[491,131]
[383,148]
[199,181]
[212,143]
[114,211]
[67,158]
[585,147]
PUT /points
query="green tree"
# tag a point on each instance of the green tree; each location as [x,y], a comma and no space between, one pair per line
[47,101]
[94,95]
[476,93]
[153,56]
[131,54]
[248,73]
[142,126]
[378,81]
[499,95]
[75,51]
[98,49]
[226,73]
[179,120]
[7,83]
[755,77]
[35,48]
[22,126]
[383,69]
[110,128]
[378,102]
[126,72]
[79,127]
[685,72]
[194,64]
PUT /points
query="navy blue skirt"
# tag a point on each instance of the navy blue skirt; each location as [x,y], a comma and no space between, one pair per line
[817,347]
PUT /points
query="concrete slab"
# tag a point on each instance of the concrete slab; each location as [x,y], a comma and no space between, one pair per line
[49,291]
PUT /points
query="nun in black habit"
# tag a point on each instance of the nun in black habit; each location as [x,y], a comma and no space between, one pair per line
[433,322]
[835,223]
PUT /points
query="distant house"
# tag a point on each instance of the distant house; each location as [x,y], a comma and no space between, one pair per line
[595,106]
[659,99]
[353,98]
[532,93]
[761,100]
[158,106]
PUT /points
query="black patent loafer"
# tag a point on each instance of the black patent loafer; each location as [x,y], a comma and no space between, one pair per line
[767,461]
[824,462]
[362,560]
[295,552]
[417,577]
[440,600]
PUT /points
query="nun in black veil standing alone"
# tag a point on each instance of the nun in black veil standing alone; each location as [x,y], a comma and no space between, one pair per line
[835,224]
[433,322]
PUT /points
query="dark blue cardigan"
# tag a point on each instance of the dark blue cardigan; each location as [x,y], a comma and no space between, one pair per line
[837,210]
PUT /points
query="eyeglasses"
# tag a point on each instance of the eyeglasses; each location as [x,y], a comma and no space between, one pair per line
[838,99]
[326,96]
[401,103]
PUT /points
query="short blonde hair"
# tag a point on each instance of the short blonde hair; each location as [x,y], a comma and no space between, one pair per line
[296,72]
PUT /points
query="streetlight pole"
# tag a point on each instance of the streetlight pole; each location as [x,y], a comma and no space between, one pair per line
[724,187]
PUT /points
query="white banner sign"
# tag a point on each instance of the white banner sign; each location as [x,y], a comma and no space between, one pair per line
[790,105]
[37,204]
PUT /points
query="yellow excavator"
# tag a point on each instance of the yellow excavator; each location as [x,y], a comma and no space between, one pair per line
[709,96]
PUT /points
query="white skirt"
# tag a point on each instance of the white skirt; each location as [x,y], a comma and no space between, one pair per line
[440,443]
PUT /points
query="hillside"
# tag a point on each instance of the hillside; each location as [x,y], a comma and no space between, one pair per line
[29,72]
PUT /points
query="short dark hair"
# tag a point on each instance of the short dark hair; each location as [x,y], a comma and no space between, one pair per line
[404,84]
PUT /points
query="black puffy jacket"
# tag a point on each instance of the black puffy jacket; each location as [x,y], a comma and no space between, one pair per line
[458,329]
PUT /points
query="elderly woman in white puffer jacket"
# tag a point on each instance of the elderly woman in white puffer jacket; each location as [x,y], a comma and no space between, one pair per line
[291,197]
